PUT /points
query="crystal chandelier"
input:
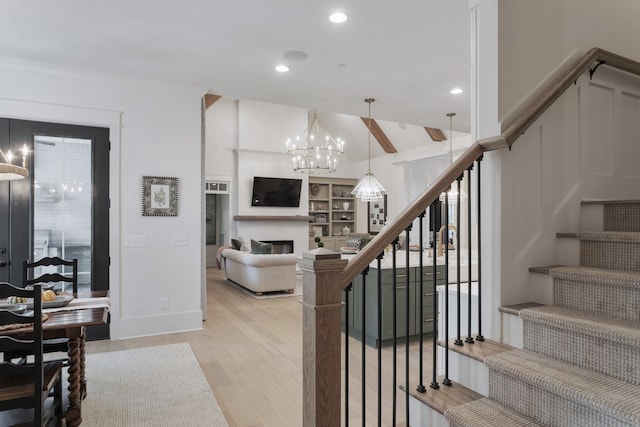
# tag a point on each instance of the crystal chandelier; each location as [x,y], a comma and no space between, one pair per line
[11,172]
[369,189]
[315,151]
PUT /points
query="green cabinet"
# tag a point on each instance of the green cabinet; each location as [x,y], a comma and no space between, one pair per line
[407,283]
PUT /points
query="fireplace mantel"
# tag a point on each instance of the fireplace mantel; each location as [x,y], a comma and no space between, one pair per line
[305,218]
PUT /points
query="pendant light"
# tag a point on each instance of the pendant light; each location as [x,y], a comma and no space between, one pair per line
[452,193]
[369,189]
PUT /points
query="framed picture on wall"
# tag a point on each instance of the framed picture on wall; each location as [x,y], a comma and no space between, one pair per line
[159,196]
[377,215]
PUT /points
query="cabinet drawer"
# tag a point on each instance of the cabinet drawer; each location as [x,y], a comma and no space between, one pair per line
[427,326]
[401,276]
[427,275]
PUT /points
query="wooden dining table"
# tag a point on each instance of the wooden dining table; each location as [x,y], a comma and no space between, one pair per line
[72,324]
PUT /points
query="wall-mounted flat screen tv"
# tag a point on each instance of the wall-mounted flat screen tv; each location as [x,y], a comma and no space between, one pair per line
[277,192]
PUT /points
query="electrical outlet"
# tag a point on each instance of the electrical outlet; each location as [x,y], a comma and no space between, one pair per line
[135,241]
[164,303]
[179,240]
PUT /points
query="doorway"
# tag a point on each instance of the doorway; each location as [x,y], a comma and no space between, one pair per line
[62,209]
[216,219]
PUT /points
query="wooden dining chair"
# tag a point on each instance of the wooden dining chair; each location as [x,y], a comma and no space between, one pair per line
[53,345]
[36,385]
[28,270]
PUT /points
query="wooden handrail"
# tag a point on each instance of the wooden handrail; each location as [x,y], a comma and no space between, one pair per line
[538,106]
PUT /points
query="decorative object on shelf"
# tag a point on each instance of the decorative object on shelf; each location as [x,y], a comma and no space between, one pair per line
[369,189]
[11,172]
[315,151]
[159,196]
[345,206]
[346,230]
[317,231]
[453,190]
[319,242]
[377,214]
[314,189]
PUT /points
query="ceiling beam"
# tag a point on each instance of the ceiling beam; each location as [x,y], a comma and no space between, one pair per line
[380,136]
[210,99]
[435,134]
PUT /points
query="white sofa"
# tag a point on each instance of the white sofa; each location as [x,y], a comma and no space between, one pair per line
[261,272]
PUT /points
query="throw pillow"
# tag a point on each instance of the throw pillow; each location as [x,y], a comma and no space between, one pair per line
[236,244]
[364,241]
[260,247]
[353,242]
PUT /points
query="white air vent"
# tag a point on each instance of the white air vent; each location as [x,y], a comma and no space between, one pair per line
[216,187]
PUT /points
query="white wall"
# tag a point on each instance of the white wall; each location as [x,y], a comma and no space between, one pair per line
[154,130]
[581,148]
[584,147]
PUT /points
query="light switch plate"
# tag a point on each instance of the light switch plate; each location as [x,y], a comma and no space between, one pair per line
[135,241]
[179,240]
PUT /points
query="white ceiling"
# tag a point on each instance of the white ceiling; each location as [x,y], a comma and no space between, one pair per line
[407,54]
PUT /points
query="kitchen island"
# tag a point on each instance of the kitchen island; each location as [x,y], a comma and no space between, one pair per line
[407,282]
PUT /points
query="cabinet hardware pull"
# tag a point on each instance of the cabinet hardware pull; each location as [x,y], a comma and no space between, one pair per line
[401,287]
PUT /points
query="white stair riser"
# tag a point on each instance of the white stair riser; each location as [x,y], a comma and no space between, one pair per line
[465,370]
[422,415]
[511,330]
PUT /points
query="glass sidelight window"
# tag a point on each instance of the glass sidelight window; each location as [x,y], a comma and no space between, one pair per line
[62,201]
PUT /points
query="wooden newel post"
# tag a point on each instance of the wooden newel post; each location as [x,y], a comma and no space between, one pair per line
[322,305]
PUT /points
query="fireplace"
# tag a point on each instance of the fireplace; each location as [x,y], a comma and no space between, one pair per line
[281,246]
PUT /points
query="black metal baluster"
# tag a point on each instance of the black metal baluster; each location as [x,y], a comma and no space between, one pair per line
[421,388]
[407,310]
[363,348]
[346,353]
[479,337]
[458,341]
[446,380]
[469,339]
[434,375]
[395,331]
[380,339]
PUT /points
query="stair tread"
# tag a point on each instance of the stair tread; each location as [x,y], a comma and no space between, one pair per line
[570,235]
[601,392]
[610,202]
[486,412]
[515,308]
[610,236]
[445,397]
[595,274]
[479,349]
[544,269]
[603,327]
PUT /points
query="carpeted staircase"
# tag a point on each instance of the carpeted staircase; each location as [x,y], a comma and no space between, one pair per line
[580,362]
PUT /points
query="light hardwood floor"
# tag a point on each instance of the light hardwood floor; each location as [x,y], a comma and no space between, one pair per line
[251,353]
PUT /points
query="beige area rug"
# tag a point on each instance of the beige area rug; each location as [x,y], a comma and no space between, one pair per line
[267,295]
[151,386]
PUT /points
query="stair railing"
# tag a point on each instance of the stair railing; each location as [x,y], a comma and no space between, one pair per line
[327,276]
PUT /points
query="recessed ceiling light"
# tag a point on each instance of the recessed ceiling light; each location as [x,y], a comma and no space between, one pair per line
[282,68]
[337,17]
[295,55]
[456,91]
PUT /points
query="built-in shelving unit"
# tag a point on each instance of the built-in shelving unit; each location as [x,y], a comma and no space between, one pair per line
[332,211]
